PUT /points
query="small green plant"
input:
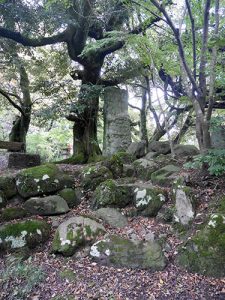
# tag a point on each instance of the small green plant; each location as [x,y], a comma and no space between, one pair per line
[25,274]
[214,159]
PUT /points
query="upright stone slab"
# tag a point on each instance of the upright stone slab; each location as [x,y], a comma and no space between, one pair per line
[117,133]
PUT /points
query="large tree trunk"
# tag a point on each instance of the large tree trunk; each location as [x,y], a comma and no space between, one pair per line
[202,128]
[19,130]
[21,124]
[143,123]
[85,115]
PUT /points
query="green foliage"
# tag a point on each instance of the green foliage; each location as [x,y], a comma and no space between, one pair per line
[50,144]
[215,159]
[26,276]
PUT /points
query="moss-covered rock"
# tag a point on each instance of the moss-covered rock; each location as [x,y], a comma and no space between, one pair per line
[111,216]
[122,252]
[3,199]
[165,215]
[165,176]
[149,201]
[116,162]
[75,233]
[23,234]
[41,180]
[159,147]
[112,194]
[204,253]
[8,186]
[144,168]
[92,176]
[12,213]
[46,206]
[181,151]
[70,196]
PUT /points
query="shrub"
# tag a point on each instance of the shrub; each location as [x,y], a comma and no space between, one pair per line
[214,159]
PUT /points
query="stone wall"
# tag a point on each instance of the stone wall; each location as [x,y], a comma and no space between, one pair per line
[117,133]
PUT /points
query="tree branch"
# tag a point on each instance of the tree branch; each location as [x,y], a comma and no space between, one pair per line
[25,41]
[193,37]
[5,94]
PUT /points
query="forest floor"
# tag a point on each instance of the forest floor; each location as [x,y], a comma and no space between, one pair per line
[43,275]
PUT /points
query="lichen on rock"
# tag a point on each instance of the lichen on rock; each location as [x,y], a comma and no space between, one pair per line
[204,253]
[75,233]
[149,200]
[23,234]
[44,179]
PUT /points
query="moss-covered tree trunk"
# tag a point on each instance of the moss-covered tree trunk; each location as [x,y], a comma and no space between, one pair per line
[21,124]
[85,116]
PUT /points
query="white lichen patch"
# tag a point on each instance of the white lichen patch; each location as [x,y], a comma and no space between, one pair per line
[212,223]
[162,198]
[39,232]
[56,181]
[1,199]
[36,179]
[45,177]
[18,182]
[17,242]
[94,249]
[144,202]
[141,194]
[107,252]
[65,242]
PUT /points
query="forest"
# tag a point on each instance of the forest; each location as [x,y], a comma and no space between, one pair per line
[112,149]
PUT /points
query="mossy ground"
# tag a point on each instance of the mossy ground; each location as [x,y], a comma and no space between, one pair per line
[12,213]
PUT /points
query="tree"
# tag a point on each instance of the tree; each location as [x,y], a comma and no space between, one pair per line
[91,31]
[198,69]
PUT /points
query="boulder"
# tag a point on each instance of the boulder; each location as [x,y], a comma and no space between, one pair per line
[165,176]
[144,168]
[184,211]
[128,170]
[150,155]
[116,163]
[121,252]
[23,160]
[47,206]
[12,213]
[137,149]
[181,151]
[92,176]
[113,194]
[149,200]
[111,216]
[165,215]
[8,186]
[41,180]
[204,253]
[71,196]
[75,233]
[159,147]
[23,234]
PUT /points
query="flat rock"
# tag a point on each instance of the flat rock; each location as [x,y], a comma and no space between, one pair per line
[46,206]
[129,253]
[111,216]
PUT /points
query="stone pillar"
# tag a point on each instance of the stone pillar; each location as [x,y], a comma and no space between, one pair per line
[117,133]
